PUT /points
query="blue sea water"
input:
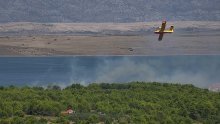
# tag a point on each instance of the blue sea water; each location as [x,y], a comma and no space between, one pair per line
[201,71]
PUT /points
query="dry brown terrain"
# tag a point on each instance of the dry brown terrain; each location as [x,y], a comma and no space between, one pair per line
[194,38]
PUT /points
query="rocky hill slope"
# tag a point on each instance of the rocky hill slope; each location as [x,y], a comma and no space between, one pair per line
[108,10]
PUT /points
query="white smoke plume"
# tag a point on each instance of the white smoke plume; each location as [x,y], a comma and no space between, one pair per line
[127,69]
[201,71]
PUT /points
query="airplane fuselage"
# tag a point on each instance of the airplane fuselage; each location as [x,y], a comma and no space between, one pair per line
[161,30]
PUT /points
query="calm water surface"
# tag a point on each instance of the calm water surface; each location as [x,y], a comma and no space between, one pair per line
[201,71]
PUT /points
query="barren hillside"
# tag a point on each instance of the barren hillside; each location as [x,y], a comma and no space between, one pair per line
[108,10]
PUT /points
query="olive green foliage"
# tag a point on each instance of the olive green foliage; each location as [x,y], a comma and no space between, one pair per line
[135,102]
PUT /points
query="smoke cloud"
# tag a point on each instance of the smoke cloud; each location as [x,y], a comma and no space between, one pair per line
[201,71]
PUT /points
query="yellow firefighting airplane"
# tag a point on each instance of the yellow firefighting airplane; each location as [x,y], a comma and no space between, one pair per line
[161,30]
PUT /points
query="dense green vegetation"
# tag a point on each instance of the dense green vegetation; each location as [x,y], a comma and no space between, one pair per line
[135,102]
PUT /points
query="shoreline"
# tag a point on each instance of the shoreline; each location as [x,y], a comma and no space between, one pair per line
[108,39]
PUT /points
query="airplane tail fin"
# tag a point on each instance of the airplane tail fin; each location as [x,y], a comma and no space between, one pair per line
[171,28]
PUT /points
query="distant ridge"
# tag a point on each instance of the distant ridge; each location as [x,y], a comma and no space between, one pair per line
[108,10]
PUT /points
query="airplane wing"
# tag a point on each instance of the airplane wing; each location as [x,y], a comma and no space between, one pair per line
[160,37]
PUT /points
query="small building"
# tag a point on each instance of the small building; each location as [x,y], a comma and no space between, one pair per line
[68,111]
